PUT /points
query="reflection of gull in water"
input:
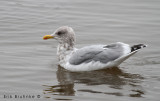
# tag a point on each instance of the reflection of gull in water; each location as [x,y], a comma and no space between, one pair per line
[89,58]
[114,78]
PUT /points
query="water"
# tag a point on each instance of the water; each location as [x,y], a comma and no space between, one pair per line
[28,64]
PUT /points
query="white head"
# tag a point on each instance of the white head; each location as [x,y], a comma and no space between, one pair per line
[64,35]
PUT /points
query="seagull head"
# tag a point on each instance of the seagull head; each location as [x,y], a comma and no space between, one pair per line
[63,35]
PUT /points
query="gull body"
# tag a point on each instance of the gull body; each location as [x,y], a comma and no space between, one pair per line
[92,57]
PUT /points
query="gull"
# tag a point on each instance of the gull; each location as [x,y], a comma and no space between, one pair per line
[88,58]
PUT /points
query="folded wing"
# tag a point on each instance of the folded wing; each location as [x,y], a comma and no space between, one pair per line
[101,53]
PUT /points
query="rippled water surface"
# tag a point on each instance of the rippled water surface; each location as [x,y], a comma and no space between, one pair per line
[28,64]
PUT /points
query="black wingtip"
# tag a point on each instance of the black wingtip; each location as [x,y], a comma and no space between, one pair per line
[136,47]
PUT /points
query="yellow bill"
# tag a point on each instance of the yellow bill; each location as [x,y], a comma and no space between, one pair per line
[47,37]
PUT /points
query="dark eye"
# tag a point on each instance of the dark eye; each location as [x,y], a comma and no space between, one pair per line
[59,33]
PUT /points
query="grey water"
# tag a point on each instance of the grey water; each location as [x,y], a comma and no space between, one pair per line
[29,65]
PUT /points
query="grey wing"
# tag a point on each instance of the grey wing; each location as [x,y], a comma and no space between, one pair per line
[101,53]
